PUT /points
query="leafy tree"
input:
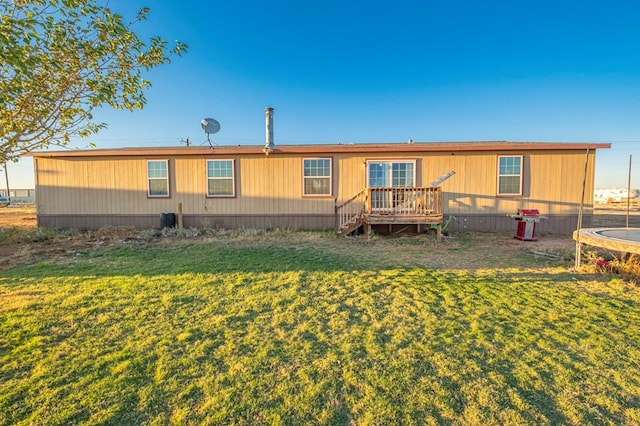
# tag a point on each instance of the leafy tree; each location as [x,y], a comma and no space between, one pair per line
[60,59]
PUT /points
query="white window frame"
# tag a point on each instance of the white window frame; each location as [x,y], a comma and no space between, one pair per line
[501,175]
[166,179]
[330,177]
[232,177]
[369,162]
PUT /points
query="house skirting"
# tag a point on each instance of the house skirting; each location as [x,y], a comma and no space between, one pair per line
[553,224]
[297,221]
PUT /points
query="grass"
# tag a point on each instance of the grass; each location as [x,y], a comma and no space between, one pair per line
[304,328]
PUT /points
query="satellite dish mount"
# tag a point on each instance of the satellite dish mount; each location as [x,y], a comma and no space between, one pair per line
[210,126]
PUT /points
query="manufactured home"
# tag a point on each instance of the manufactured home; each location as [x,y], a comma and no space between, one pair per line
[390,187]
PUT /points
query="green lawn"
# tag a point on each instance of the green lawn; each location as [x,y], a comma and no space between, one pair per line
[310,329]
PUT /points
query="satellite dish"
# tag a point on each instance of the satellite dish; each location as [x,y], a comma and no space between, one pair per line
[210,126]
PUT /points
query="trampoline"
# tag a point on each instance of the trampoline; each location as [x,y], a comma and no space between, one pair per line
[626,240]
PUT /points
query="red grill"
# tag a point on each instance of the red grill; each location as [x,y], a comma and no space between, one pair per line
[527,219]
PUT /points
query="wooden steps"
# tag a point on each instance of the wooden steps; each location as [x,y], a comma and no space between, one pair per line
[353,224]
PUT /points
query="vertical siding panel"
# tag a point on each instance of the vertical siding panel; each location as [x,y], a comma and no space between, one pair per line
[280,172]
[284,172]
[545,170]
[259,175]
[248,185]
[111,199]
[190,182]
[115,192]
[124,178]
[268,202]
[478,174]
[453,187]
[181,180]
[68,167]
[285,175]
[558,193]
[198,197]
[143,203]
[274,187]
[292,192]
[80,176]
[473,177]
[566,175]
[61,170]
[353,176]
[56,181]
[135,186]
[569,177]
[549,189]
[266,187]
[113,173]
[96,177]
[264,195]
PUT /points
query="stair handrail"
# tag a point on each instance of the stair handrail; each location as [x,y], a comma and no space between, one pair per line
[351,209]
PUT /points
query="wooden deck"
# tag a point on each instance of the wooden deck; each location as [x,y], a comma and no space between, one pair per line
[388,206]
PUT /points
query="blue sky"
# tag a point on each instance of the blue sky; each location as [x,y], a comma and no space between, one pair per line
[372,71]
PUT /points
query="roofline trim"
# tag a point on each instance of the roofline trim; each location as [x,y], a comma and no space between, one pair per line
[326,149]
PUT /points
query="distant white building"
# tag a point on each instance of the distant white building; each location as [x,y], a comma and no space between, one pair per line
[615,195]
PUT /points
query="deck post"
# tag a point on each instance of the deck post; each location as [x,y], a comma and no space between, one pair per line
[439,232]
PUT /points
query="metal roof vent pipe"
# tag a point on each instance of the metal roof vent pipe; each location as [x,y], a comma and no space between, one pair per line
[268,145]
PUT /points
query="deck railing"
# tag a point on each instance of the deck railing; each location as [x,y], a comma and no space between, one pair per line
[388,201]
[404,201]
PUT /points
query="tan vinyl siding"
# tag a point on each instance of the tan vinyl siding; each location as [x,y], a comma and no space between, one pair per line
[272,185]
[552,181]
[105,186]
[97,186]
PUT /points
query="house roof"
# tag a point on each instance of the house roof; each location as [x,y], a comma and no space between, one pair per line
[502,146]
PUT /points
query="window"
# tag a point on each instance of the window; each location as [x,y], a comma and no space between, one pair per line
[510,175]
[220,178]
[158,178]
[316,176]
